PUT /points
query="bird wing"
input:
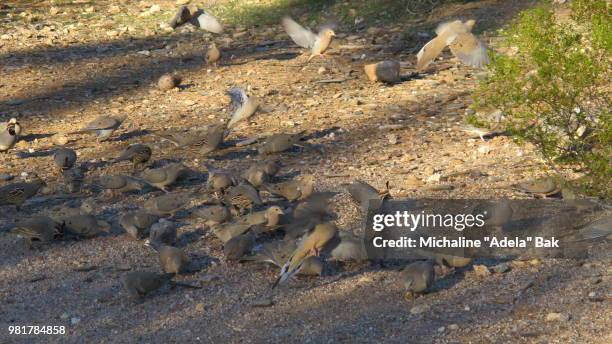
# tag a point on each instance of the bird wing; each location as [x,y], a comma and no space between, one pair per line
[154,176]
[300,35]
[102,123]
[470,50]
[430,51]
[207,22]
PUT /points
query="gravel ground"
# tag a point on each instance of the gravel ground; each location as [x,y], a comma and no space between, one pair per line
[62,70]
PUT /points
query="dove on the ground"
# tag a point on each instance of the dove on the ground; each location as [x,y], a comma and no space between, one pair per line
[238,246]
[305,215]
[168,81]
[139,154]
[73,179]
[197,18]
[138,223]
[103,126]
[167,204]
[64,158]
[346,247]
[85,226]
[261,172]
[140,283]
[9,134]
[310,245]
[242,106]
[162,232]
[219,180]
[213,54]
[120,183]
[279,143]
[542,187]
[269,217]
[163,177]
[317,43]
[312,266]
[17,193]
[293,190]
[385,71]
[213,214]
[230,230]
[209,138]
[462,42]
[418,277]
[363,193]
[38,228]
[172,259]
[242,196]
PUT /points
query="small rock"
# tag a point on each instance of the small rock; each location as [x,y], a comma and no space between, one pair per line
[75,320]
[263,302]
[59,139]
[595,280]
[64,316]
[155,8]
[557,317]
[441,329]
[199,307]
[392,139]
[481,270]
[434,178]
[453,327]
[418,309]
[413,181]
[501,268]
[484,150]
[322,70]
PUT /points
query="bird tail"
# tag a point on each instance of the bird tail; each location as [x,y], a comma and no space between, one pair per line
[287,271]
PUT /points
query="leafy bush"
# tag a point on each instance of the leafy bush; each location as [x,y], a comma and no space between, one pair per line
[554,89]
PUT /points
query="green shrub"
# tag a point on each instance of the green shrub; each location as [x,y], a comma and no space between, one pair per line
[555,88]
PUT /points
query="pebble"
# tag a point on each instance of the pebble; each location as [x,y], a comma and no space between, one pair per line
[481,270]
[453,327]
[322,70]
[64,316]
[550,317]
[441,329]
[418,309]
[199,307]
[392,139]
[501,268]
[75,320]
[263,302]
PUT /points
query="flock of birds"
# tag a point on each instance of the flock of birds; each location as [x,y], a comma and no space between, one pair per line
[283,223]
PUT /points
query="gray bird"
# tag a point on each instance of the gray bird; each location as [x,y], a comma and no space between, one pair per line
[462,42]
[168,81]
[209,138]
[84,226]
[317,43]
[120,183]
[256,175]
[346,247]
[242,196]
[269,217]
[213,214]
[38,228]
[162,232]
[138,284]
[417,278]
[137,224]
[139,154]
[237,247]
[9,134]
[17,193]
[197,18]
[73,179]
[167,204]
[279,143]
[293,190]
[64,158]
[272,252]
[363,193]
[172,259]
[218,179]
[103,126]
[242,107]
[542,187]
[163,177]
[228,231]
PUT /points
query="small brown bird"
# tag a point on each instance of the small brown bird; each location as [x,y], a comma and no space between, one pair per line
[73,179]
[162,232]
[462,42]
[172,259]
[38,228]
[269,217]
[317,43]
[256,175]
[310,245]
[103,126]
[137,224]
[213,54]
[164,176]
[362,193]
[347,247]
[242,106]
[167,204]
[237,247]
[219,180]
[293,190]
[120,183]
[417,277]
[64,158]
[9,134]
[209,138]
[17,193]
[279,143]
[242,196]
[168,81]
[85,226]
[140,283]
[451,261]
[197,18]
[228,231]
[213,214]
[139,154]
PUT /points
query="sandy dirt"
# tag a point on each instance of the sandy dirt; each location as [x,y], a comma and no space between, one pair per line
[62,69]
